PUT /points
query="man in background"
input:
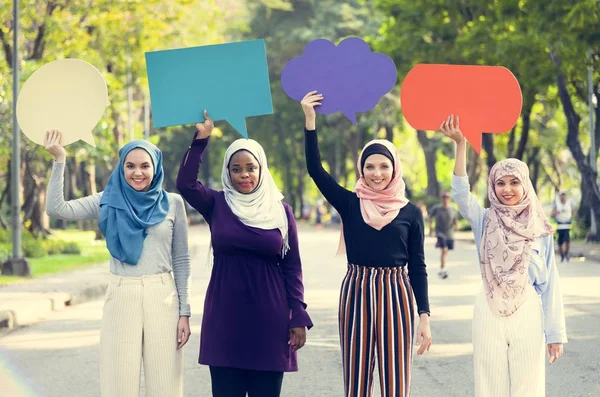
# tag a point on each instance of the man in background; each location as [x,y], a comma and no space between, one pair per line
[563,215]
[446,220]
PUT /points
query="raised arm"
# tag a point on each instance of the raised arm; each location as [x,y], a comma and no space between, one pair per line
[461,190]
[331,190]
[56,206]
[199,196]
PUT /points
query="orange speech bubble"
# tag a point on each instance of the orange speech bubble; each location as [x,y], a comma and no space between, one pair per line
[486,98]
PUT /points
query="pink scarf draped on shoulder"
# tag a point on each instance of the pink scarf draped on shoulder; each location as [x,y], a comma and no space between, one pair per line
[507,235]
[379,207]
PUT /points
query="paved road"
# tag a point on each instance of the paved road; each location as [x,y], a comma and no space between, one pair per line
[59,356]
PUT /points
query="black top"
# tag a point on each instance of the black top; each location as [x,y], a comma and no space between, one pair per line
[399,243]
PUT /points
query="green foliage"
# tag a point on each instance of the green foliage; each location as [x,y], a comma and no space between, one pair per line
[37,247]
[71,248]
[114,36]
[53,246]
[32,247]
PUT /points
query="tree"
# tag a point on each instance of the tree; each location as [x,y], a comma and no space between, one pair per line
[112,36]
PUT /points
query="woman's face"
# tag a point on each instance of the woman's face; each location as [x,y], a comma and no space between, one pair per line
[244,171]
[139,170]
[509,190]
[378,171]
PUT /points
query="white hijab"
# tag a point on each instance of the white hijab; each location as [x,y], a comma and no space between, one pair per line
[263,208]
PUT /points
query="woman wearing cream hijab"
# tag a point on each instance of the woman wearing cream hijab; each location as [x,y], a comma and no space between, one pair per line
[254,318]
[520,308]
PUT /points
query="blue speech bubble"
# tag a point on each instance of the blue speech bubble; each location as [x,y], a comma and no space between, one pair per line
[230,81]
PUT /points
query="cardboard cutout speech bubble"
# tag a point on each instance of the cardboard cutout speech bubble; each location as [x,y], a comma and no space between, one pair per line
[68,95]
[486,98]
[350,76]
[230,81]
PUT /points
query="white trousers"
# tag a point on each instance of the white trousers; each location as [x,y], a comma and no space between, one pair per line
[509,352]
[139,323]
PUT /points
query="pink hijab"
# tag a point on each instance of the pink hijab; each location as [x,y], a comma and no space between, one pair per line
[506,243]
[379,207]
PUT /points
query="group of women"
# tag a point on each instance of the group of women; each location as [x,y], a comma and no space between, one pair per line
[255,318]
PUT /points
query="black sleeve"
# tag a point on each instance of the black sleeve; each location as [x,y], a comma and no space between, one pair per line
[417,271]
[334,193]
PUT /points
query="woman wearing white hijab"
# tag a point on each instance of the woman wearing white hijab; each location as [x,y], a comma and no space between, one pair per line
[254,318]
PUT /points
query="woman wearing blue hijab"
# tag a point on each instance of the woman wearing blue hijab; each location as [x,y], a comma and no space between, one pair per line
[146,311]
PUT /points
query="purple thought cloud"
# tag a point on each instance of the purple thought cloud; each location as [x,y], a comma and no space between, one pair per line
[350,76]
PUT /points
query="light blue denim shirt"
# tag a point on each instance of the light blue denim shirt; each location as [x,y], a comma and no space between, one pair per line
[543,273]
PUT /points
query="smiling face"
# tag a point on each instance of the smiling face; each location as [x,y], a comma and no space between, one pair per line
[509,190]
[378,171]
[244,171]
[139,170]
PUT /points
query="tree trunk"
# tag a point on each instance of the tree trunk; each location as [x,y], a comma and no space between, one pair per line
[487,141]
[511,139]
[6,192]
[534,162]
[474,168]
[526,124]
[596,89]
[430,147]
[389,133]
[584,212]
[300,193]
[356,148]
[34,204]
[90,183]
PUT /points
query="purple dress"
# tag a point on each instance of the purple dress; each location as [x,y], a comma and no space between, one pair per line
[254,296]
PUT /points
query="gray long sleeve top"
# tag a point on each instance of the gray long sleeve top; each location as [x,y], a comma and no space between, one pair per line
[165,247]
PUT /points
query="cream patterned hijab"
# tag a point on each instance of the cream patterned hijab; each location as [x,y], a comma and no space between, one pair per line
[507,235]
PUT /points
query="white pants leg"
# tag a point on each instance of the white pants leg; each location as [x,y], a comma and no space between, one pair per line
[121,340]
[163,362]
[140,321]
[508,352]
[490,351]
[526,352]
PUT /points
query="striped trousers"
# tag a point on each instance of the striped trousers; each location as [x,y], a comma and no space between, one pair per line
[376,319]
[139,323]
[509,352]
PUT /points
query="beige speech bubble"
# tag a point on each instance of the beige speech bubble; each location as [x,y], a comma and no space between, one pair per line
[68,95]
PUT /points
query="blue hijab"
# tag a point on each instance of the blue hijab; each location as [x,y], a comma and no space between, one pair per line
[126,214]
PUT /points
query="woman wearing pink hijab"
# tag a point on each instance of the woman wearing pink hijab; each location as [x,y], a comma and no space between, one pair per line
[384,242]
[519,309]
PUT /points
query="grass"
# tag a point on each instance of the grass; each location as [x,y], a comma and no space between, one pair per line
[92,252]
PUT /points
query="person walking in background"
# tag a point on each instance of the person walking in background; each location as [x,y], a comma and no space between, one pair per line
[446,221]
[319,212]
[562,212]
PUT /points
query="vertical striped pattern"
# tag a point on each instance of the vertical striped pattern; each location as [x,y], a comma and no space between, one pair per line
[509,352]
[139,323]
[376,319]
